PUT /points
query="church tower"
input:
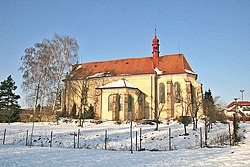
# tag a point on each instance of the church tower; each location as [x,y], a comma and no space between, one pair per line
[155,51]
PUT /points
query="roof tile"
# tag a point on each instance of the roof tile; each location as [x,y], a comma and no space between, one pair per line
[168,64]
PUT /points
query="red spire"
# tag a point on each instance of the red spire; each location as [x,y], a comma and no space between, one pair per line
[155,50]
[155,40]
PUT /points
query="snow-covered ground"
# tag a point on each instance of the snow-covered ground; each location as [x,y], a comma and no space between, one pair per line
[186,149]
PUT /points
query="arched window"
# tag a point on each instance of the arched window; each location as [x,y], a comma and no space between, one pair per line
[177,92]
[162,93]
[110,103]
[130,103]
[120,102]
[140,99]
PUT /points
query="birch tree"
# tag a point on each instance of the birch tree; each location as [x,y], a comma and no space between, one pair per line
[47,75]
[31,69]
[64,52]
[44,66]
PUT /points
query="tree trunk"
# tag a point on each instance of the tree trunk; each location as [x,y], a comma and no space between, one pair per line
[57,90]
[193,123]
[80,117]
[36,99]
[185,129]
[196,122]
[157,125]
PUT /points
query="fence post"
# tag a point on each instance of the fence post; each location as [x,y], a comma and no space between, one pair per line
[51,134]
[131,134]
[32,130]
[78,139]
[229,130]
[105,140]
[140,139]
[136,141]
[4,136]
[205,134]
[169,134]
[201,137]
[27,134]
[74,139]
[234,130]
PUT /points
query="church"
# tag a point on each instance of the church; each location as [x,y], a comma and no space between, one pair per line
[155,87]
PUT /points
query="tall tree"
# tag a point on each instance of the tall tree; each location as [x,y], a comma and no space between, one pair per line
[44,66]
[83,89]
[35,69]
[213,110]
[209,107]
[64,51]
[9,106]
[45,58]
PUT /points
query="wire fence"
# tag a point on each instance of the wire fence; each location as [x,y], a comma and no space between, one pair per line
[142,139]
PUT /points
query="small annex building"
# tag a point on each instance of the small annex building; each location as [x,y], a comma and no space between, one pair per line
[138,88]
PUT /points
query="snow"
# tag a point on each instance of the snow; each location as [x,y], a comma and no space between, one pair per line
[122,83]
[158,72]
[80,66]
[188,71]
[100,74]
[187,151]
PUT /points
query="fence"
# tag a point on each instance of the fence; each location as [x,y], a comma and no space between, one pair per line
[142,139]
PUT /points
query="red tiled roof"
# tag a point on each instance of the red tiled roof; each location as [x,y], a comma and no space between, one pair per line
[240,103]
[168,64]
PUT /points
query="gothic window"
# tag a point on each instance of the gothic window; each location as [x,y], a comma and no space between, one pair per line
[140,99]
[130,103]
[110,103]
[177,92]
[162,93]
[194,99]
[120,102]
[193,93]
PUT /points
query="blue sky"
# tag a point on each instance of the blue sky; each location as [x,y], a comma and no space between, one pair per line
[214,35]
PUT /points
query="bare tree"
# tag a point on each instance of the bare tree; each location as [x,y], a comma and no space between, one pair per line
[83,89]
[157,119]
[43,67]
[33,65]
[80,88]
[64,52]
[191,104]
[158,110]
[47,76]
[197,104]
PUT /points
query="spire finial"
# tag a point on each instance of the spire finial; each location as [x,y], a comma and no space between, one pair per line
[155,51]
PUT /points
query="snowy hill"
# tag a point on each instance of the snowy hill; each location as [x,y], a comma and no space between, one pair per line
[186,149]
